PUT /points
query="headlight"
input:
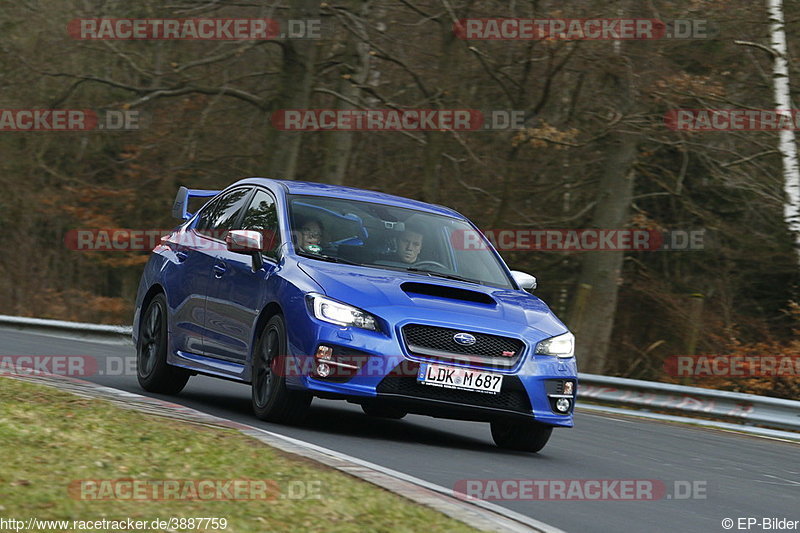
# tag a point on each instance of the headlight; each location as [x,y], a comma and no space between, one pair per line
[561,345]
[341,314]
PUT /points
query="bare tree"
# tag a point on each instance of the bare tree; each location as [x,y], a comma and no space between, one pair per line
[786,144]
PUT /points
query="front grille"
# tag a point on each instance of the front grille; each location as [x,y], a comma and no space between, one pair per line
[512,395]
[432,341]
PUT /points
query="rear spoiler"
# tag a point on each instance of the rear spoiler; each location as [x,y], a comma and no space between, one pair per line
[182,201]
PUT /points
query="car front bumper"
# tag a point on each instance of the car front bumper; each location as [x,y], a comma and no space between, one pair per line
[387,374]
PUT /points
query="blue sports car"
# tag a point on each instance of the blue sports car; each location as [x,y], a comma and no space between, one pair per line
[305,289]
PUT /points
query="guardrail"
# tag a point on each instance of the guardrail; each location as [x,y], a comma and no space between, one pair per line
[77,329]
[735,407]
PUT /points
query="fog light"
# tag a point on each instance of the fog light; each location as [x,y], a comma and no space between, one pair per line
[562,404]
[324,352]
[323,370]
[568,387]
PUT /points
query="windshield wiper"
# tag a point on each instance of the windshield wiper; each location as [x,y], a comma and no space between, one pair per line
[443,275]
[328,258]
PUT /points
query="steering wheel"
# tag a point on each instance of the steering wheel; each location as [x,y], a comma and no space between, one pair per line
[434,263]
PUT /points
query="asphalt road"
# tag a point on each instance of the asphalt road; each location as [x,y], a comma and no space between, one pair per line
[742,476]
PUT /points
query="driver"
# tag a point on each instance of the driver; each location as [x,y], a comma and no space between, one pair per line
[409,245]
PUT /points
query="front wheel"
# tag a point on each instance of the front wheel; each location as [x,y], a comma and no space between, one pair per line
[521,436]
[152,370]
[272,400]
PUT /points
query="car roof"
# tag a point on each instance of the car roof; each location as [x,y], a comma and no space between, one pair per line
[311,188]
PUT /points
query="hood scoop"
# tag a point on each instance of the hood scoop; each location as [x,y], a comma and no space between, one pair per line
[443,291]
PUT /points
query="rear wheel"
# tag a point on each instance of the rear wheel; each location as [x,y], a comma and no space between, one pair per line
[383,411]
[272,400]
[152,370]
[521,436]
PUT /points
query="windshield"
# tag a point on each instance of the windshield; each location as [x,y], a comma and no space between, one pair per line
[394,238]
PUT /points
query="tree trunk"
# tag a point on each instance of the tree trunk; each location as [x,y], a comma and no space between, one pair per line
[786,144]
[434,140]
[431,167]
[338,145]
[602,270]
[297,79]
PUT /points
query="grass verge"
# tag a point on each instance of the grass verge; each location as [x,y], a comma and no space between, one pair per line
[51,441]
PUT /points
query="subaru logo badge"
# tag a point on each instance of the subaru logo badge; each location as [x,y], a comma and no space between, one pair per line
[464,339]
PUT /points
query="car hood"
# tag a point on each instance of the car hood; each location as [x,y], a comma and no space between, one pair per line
[402,297]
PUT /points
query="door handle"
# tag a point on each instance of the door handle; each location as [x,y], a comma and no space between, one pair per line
[181,256]
[219,270]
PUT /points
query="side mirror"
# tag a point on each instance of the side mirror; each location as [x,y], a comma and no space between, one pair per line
[242,241]
[525,281]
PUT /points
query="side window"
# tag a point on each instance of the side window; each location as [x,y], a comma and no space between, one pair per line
[262,215]
[206,215]
[224,214]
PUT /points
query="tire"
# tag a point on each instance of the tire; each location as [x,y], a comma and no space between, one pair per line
[523,437]
[152,370]
[382,411]
[272,401]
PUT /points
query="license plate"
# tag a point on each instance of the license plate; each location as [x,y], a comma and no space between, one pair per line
[459,378]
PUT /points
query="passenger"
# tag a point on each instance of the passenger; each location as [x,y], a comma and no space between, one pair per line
[309,234]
